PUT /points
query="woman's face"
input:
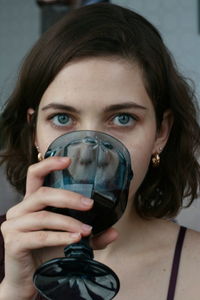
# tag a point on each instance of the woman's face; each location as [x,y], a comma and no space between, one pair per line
[106,95]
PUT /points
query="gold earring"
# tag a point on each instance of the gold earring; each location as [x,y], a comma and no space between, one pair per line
[40,157]
[156,160]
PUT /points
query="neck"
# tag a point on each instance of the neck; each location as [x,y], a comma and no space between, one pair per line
[136,235]
[129,227]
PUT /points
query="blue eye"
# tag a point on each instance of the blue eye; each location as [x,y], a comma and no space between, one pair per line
[62,120]
[123,119]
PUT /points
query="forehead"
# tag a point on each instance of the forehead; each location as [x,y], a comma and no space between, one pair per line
[100,80]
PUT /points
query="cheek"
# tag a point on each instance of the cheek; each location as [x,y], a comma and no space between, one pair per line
[140,166]
[140,160]
[44,137]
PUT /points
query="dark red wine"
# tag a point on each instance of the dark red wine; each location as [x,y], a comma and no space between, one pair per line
[104,213]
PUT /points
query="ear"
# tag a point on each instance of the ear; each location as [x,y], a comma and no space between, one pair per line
[29,116]
[163,132]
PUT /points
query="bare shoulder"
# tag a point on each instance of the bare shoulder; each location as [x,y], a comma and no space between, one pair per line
[189,272]
[191,248]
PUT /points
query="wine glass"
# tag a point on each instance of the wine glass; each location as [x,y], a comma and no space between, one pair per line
[100,169]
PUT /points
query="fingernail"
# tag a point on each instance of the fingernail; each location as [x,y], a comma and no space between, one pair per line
[63,159]
[75,235]
[87,201]
[86,228]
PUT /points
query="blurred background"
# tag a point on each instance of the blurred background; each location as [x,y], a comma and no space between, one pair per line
[23,21]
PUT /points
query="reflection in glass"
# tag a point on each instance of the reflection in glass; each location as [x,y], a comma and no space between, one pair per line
[100,169]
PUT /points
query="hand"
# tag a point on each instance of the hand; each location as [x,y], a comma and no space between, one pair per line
[29,227]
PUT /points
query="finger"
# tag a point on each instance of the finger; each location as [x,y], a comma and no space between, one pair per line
[46,196]
[44,220]
[24,241]
[37,172]
[102,240]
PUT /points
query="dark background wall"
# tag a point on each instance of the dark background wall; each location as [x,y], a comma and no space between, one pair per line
[19,29]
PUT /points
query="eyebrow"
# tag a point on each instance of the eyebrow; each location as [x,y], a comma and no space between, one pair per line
[121,106]
[110,108]
[60,106]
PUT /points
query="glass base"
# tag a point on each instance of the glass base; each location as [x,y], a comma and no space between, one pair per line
[77,279]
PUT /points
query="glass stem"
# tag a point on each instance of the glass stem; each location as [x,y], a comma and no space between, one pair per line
[80,250]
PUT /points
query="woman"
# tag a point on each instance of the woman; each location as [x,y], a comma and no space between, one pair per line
[104,68]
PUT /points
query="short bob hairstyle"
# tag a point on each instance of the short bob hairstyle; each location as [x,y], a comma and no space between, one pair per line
[107,30]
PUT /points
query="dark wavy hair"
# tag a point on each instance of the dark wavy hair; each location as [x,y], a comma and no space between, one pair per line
[107,30]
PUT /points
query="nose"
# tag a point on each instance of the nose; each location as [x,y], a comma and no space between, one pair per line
[93,151]
[88,151]
[91,123]
[103,157]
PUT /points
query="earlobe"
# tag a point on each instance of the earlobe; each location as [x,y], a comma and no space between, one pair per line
[164,132]
[29,115]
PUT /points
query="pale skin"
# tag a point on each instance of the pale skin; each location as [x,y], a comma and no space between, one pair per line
[107,95]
